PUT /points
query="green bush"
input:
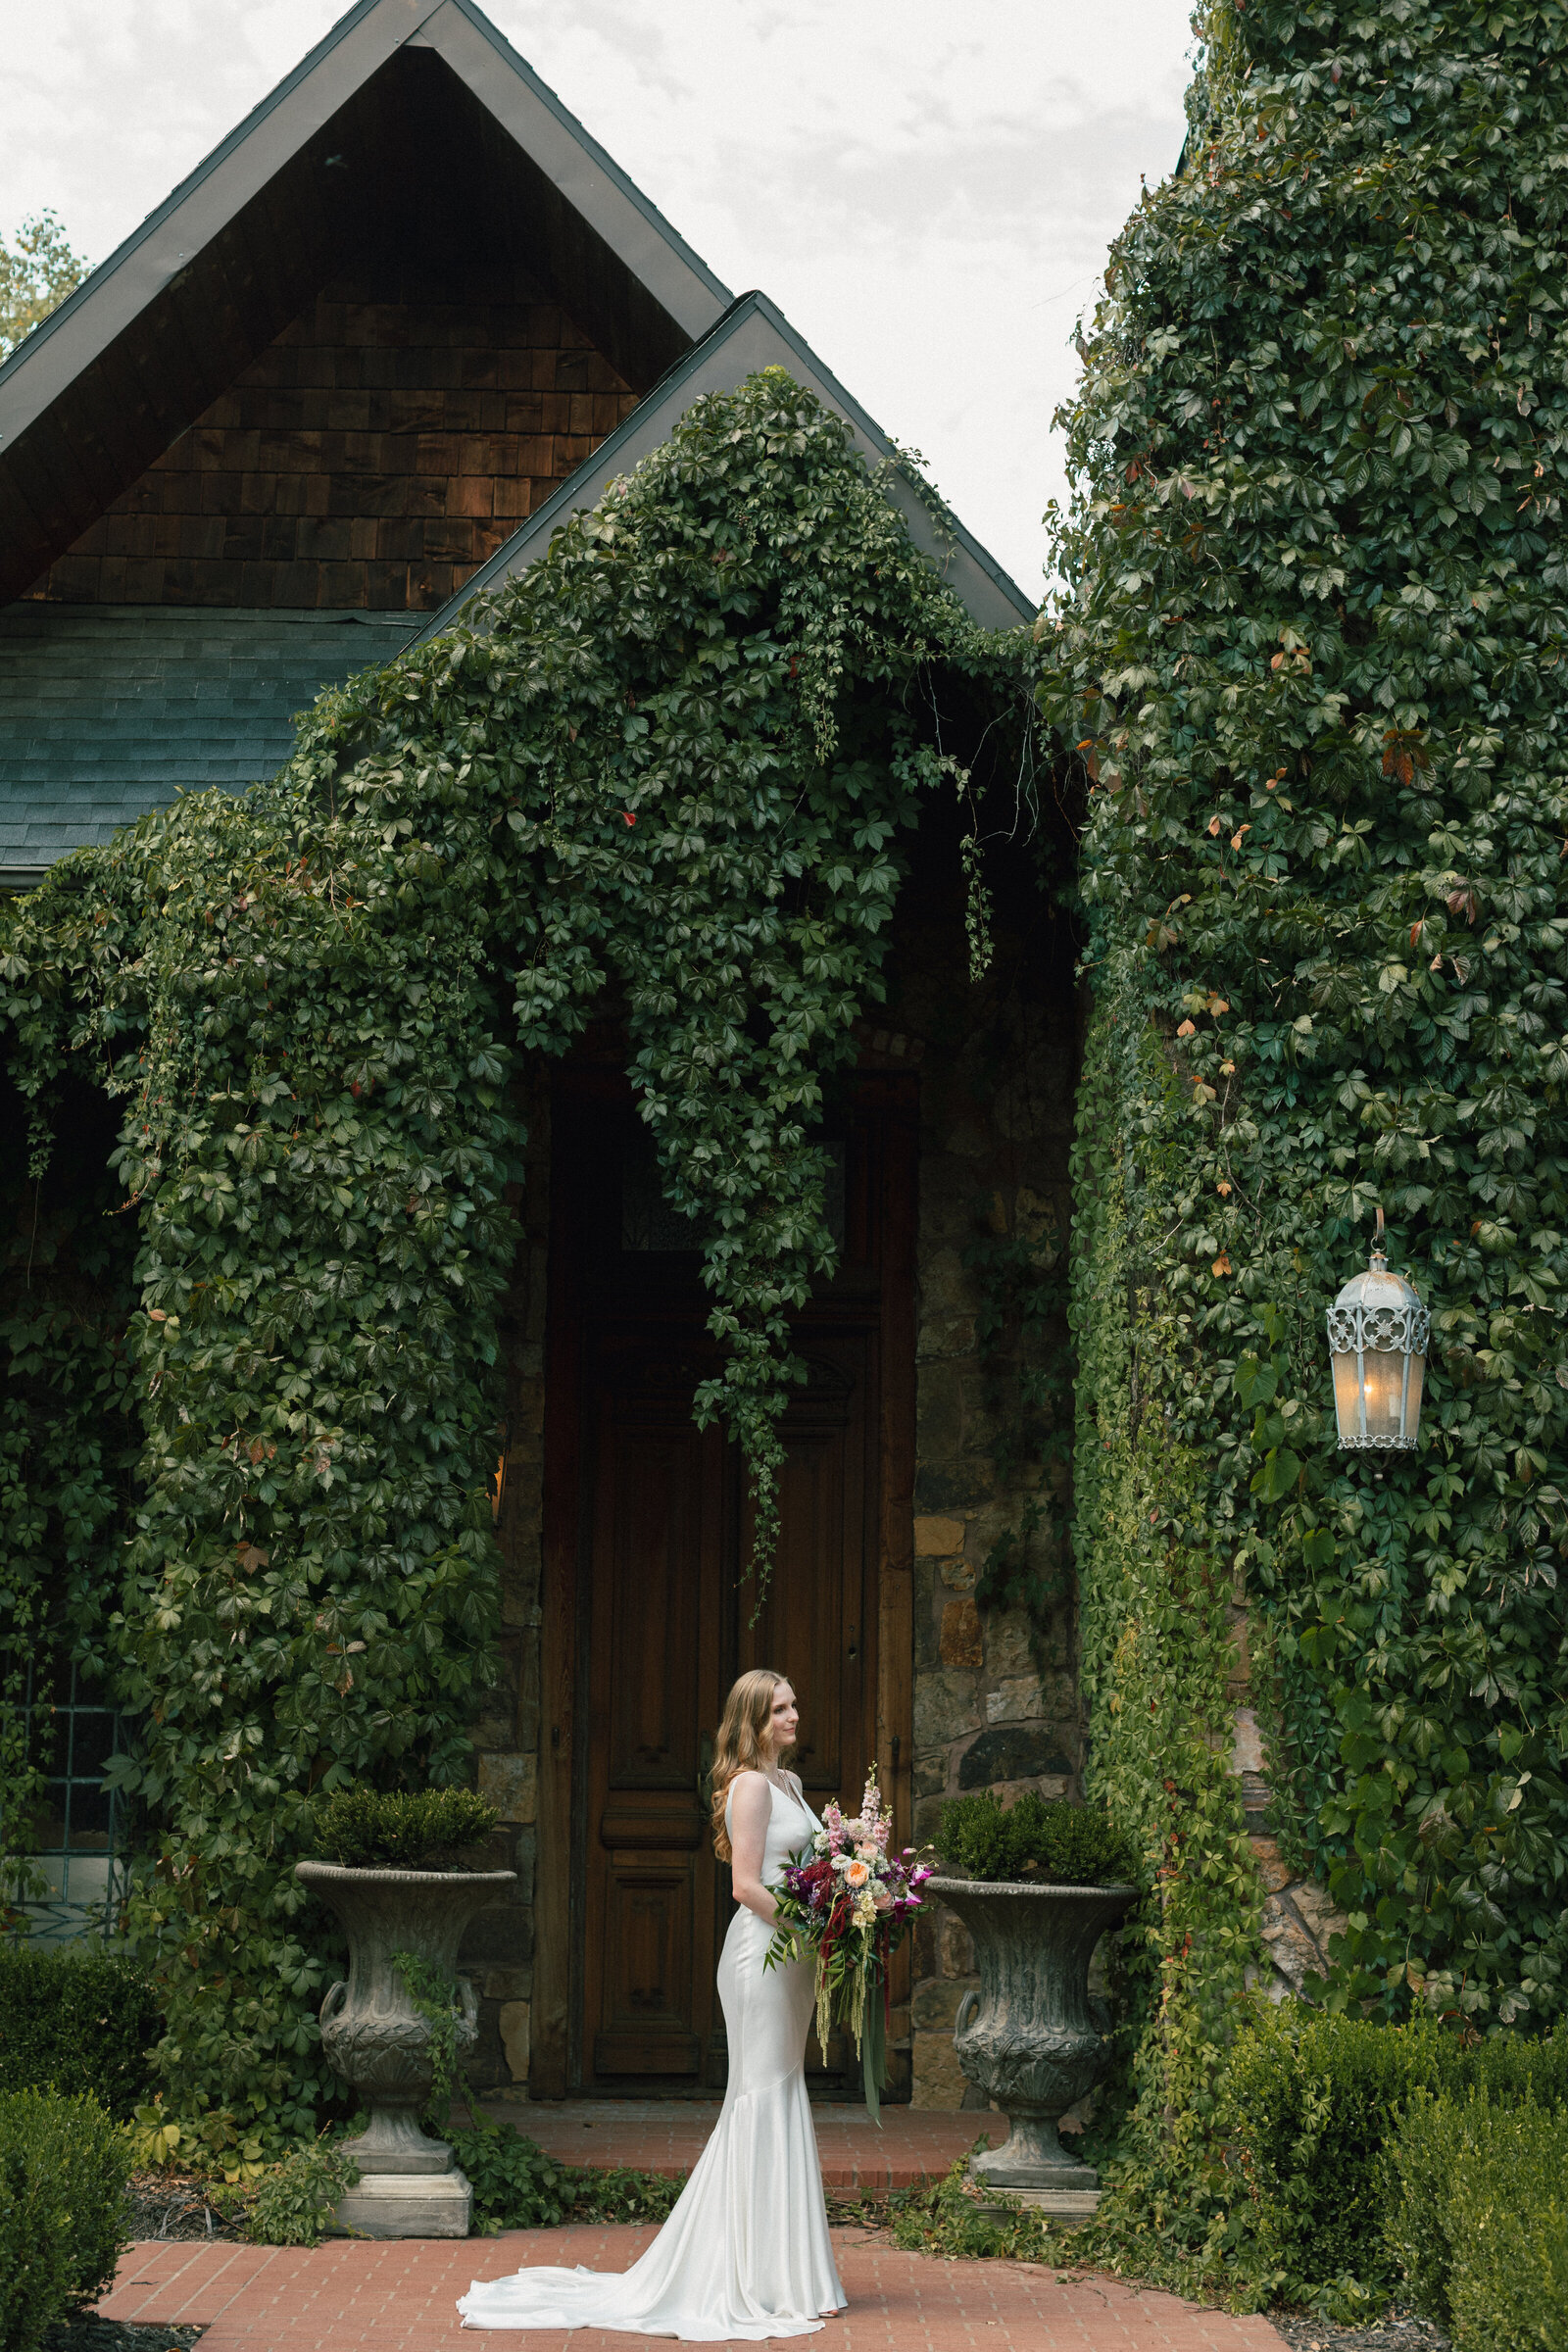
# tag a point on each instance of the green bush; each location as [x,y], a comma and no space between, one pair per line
[1313,2099]
[517,2186]
[1314,2102]
[365,1828]
[293,2204]
[1479,2219]
[75,2019]
[64,2166]
[1061,1844]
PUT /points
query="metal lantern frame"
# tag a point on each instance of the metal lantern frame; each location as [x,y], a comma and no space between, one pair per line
[1378,1314]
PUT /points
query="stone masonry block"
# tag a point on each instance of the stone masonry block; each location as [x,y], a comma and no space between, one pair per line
[946,1708]
[963,1645]
[514,2039]
[1017,1752]
[935,1538]
[939,2081]
[935,2006]
[1019,1701]
[510,1782]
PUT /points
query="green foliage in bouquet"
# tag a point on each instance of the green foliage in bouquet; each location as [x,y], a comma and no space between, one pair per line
[1035,1837]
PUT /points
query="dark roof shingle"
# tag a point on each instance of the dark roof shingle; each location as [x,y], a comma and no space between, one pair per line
[107,709]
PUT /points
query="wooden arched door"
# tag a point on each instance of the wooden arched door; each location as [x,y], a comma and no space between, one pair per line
[644,1544]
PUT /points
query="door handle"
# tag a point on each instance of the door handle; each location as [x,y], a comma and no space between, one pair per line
[705,1771]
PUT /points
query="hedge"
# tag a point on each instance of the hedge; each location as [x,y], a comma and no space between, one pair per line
[1479,2221]
[64,2166]
[78,2020]
[1316,2106]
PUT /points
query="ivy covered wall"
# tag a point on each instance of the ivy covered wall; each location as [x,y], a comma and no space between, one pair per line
[1310,661]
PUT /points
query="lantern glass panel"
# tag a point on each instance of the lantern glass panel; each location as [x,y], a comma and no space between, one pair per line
[1347,1398]
[1385,1394]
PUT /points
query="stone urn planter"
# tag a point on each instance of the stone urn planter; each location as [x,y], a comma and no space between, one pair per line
[376,2040]
[1026,2037]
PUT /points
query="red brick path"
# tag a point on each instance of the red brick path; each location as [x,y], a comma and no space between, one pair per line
[668,2136]
[356,2297]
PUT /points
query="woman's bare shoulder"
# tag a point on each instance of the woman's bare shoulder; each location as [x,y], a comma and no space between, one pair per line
[750,1787]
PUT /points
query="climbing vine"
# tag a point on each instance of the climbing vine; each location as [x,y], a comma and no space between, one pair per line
[1311,661]
[67,1444]
[670,762]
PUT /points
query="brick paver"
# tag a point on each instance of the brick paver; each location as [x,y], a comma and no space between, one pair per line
[402,2297]
[668,2136]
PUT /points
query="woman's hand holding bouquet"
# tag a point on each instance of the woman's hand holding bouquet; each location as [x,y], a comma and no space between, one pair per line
[850,1900]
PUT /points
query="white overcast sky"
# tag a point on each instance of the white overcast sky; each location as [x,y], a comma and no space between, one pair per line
[926,188]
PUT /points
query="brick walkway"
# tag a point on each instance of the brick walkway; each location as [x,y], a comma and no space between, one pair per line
[359,2297]
[668,2136]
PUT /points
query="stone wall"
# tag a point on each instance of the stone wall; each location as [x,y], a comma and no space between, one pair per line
[994,1707]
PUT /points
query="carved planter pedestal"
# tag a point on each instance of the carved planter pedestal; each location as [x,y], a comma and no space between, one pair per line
[376,2040]
[1026,2038]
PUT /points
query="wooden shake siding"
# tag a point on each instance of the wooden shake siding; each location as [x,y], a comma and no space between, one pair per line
[373,456]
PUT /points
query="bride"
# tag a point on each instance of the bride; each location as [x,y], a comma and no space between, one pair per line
[746,2251]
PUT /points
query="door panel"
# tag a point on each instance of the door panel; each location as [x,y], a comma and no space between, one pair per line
[651,1660]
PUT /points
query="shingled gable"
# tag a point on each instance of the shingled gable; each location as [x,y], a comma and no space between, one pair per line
[754,334]
[168,322]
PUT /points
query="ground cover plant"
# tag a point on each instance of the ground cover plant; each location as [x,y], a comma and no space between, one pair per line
[516,2185]
[671,758]
[1308,658]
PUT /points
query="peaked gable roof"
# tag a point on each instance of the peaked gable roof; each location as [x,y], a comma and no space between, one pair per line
[753,333]
[99,390]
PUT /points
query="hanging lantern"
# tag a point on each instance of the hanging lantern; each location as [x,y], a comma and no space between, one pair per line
[1378,1345]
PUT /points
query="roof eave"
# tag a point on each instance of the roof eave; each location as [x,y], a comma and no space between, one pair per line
[754,334]
[114,294]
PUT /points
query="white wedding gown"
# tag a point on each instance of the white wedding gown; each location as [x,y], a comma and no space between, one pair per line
[746,2252]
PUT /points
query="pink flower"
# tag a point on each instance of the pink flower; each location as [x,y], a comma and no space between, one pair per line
[857,1874]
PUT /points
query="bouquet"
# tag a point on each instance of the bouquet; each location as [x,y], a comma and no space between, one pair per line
[850,1900]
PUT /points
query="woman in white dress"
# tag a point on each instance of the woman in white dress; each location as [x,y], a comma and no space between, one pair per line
[746,2252]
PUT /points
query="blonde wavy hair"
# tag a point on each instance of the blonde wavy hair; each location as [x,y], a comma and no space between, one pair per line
[739,1745]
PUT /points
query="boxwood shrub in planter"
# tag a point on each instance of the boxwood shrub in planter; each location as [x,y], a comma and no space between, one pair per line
[396,2030]
[1037,1884]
